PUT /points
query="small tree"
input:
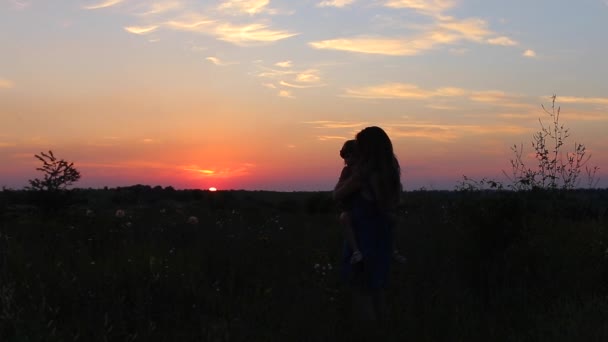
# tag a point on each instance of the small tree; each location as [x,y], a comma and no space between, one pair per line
[58,173]
[556,168]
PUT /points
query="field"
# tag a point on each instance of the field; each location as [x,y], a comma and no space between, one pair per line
[154,264]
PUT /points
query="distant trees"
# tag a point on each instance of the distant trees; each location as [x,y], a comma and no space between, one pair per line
[555,167]
[58,174]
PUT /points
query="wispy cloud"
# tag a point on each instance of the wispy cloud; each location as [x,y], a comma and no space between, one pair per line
[332,137]
[250,7]
[141,29]
[499,98]
[328,124]
[504,41]
[250,34]
[284,64]
[191,22]
[529,53]
[162,7]
[428,7]
[444,30]
[6,84]
[212,172]
[335,3]
[20,5]
[290,78]
[218,61]
[286,93]
[584,100]
[103,4]
[415,129]
[299,86]
[449,132]
[402,91]
[377,45]
[405,91]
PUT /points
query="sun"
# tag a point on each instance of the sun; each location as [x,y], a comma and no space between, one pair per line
[212,188]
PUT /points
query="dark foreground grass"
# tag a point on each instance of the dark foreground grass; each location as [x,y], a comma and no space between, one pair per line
[263,266]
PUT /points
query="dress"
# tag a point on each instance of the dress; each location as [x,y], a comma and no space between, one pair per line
[372,229]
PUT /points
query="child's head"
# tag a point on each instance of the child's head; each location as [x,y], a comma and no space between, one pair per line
[348,151]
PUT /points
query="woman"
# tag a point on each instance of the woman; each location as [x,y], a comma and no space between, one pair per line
[376,187]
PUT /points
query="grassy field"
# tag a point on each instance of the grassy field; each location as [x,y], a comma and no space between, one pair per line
[154,264]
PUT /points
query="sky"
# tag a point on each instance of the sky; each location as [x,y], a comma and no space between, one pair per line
[261,94]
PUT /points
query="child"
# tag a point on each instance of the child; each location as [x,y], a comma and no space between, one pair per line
[348,153]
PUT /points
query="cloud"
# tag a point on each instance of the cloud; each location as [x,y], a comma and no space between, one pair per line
[335,3]
[299,86]
[162,7]
[504,41]
[103,4]
[6,84]
[474,29]
[192,23]
[308,78]
[449,132]
[529,53]
[209,172]
[246,34]
[428,7]
[327,124]
[377,45]
[141,29]
[20,5]
[402,91]
[286,93]
[250,7]
[250,34]
[446,30]
[499,98]
[405,91]
[584,100]
[331,137]
[284,64]
[218,61]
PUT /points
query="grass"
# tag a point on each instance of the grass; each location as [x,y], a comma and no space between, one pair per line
[263,266]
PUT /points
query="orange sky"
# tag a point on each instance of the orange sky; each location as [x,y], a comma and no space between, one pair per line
[255,94]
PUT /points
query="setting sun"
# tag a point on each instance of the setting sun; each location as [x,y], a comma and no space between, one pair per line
[212,189]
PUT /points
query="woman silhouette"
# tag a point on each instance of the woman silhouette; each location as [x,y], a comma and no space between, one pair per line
[375,185]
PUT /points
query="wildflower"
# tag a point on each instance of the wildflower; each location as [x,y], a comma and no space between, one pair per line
[192,220]
[317,266]
[120,213]
[89,212]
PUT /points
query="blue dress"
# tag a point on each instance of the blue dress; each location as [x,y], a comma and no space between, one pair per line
[372,231]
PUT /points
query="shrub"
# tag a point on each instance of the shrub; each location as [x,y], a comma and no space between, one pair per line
[58,173]
[555,169]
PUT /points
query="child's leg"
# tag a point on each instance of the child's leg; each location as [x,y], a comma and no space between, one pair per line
[346,223]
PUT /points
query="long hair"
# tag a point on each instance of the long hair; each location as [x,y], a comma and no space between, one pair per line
[376,155]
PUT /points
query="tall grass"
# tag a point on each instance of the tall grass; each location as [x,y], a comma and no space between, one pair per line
[263,266]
